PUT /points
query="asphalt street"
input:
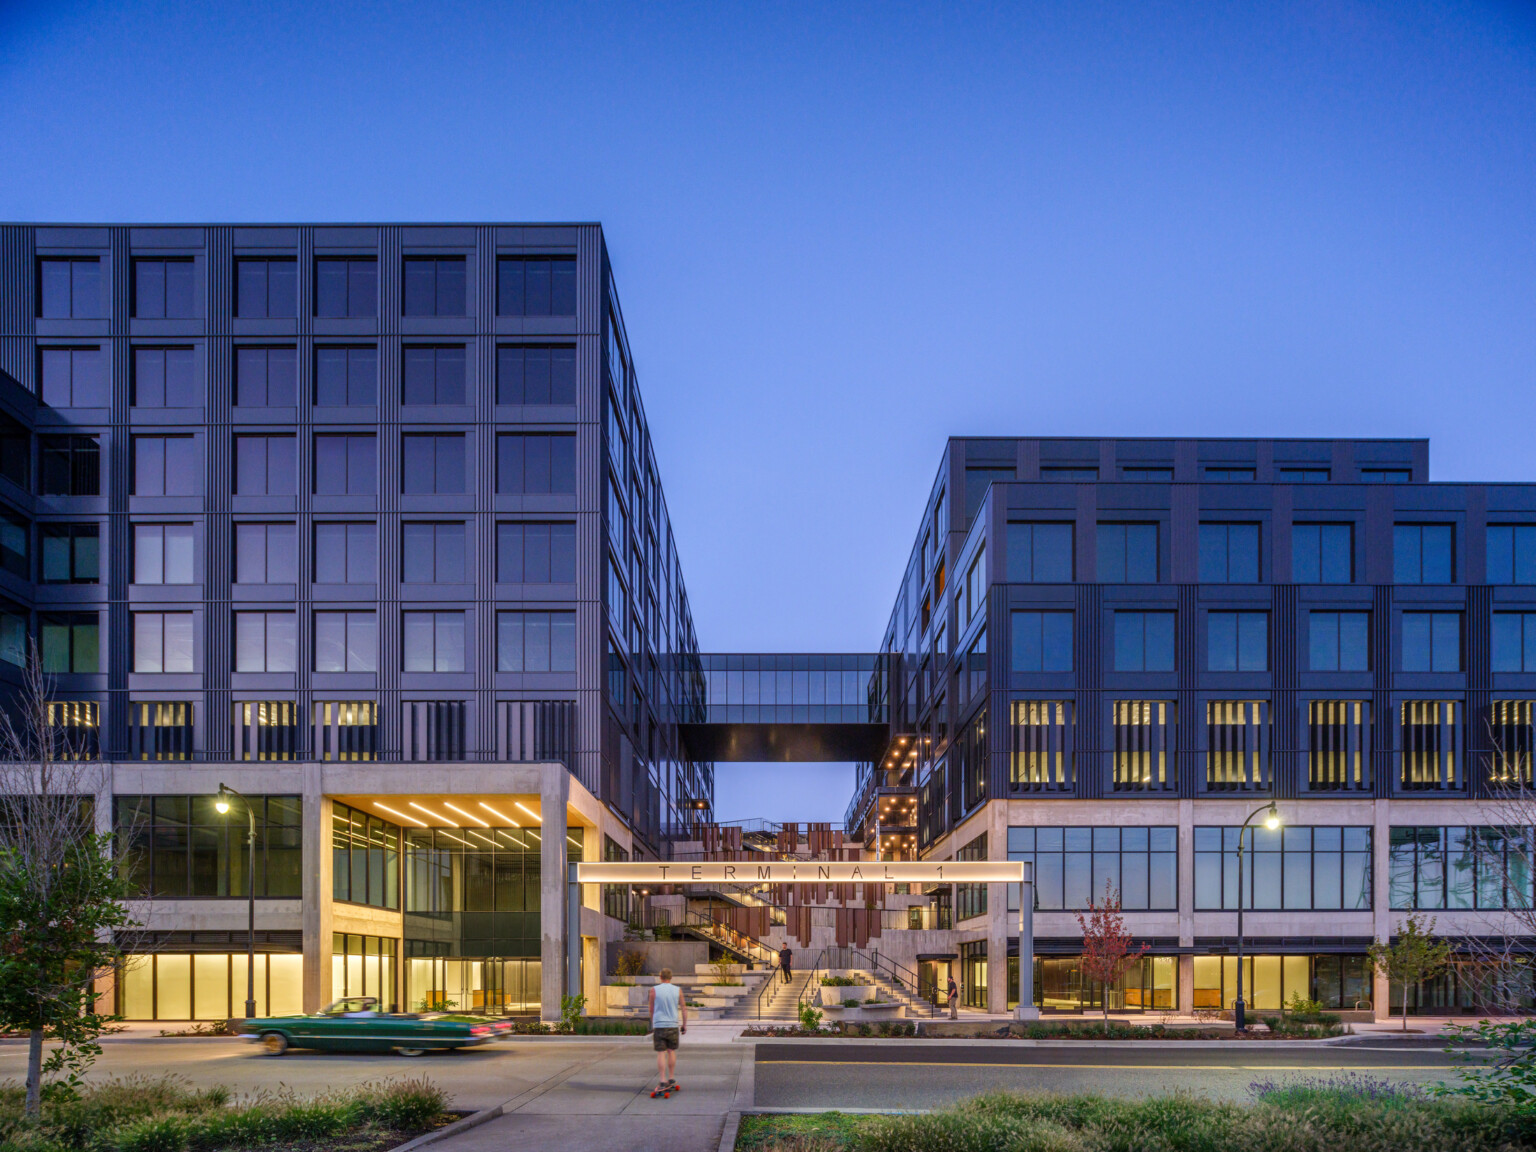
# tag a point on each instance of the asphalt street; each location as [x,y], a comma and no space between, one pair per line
[927,1074]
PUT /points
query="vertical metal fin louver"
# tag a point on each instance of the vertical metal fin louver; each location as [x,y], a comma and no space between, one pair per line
[536,730]
[74,728]
[433,729]
[346,730]
[1339,745]
[1144,745]
[1237,745]
[266,730]
[1430,744]
[1510,734]
[1042,745]
[160,730]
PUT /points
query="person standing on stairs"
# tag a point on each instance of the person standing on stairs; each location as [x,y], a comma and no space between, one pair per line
[786,959]
[669,1018]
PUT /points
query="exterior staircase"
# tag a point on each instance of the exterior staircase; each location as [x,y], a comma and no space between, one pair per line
[775,1002]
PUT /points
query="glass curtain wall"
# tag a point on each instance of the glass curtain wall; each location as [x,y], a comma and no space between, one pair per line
[208,985]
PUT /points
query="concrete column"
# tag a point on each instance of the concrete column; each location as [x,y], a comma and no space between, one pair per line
[1000,925]
[1381,902]
[554,794]
[1186,985]
[317,863]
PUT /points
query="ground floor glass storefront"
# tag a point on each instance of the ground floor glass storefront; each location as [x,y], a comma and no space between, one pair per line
[1150,984]
[463,984]
[1270,982]
[365,966]
[208,985]
[1469,987]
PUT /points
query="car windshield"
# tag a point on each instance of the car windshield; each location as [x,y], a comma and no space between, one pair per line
[355,1006]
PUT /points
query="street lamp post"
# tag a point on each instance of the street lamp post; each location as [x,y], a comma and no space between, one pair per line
[1271,821]
[222,804]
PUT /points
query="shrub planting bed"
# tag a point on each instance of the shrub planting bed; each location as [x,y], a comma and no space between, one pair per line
[1353,1113]
[142,1115]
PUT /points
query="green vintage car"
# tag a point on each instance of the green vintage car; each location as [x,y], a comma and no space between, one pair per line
[355,1024]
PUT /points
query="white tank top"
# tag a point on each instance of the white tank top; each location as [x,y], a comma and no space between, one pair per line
[664,1012]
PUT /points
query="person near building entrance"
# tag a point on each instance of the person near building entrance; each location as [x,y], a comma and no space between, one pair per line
[954,998]
[786,959]
[669,1018]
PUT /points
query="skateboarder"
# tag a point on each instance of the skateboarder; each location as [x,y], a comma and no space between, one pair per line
[669,1018]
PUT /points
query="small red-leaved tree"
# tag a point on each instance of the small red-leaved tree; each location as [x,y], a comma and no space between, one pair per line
[1107,954]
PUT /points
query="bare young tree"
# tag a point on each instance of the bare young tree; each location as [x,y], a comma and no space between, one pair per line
[61,891]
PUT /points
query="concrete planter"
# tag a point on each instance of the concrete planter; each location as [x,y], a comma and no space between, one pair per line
[831,995]
[618,996]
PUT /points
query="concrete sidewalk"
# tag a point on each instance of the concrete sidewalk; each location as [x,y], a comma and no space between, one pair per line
[602,1103]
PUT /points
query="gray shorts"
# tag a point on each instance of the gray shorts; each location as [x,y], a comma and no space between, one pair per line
[664,1039]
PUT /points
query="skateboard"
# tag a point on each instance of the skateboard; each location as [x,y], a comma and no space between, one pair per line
[666,1090]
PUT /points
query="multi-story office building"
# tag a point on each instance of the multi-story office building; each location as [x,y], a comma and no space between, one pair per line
[365,523]
[1109,653]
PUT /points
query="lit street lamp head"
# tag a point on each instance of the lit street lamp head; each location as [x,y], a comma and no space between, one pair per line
[1272,818]
[221,805]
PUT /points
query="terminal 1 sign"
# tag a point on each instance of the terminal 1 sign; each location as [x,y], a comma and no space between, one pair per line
[803,872]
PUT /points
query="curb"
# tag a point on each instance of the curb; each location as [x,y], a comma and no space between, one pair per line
[464,1125]
[728,1133]
[998,1042]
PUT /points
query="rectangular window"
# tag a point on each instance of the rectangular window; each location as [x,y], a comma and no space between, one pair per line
[1229,553]
[536,641]
[1385,475]
[1128,553]
[975,586]
[1303,475]
[1039,553]
[265,554]
[70,642]
[536,553]
[365,866]
[1338,744]
[535,463]
[346,554]
[162,554]
[433,375]
[1514,641]
[971,899]
[1042,642]
[433,553]
[434,286]
[346,376]
[346,642]
[179,846]
[164,289]
[347,286]
[16,553]
[1512,732]
[1237,641]
[1460,867]
[1041,756]
[165,378]
[536,374]
[1512,553]
[1422,554]
[1061,473]
[1144,641]
[432,463]
[74,377]
[1296,867]
[1145,734]
[1431,642]
[70,466]
[1147,475]
[266,289]
[535,286]
[165,466]
[1228,474]
[434,641]
[266,377]
[71,553]
[977,481]
[974,671]
[266,642]
[162,642]
[1072,865]
[1429,741]
[69,288]
[265,466]
[1340,641]
[13,635]
[346,465]
[1236,744]
[1323,553]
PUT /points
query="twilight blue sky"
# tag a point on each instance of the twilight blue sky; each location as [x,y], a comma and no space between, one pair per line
[844,232]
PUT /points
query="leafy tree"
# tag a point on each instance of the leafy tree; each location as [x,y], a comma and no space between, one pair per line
[1107,953]
[61,891]
[1416,955]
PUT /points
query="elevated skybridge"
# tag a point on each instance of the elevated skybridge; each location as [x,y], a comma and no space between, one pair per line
[792,707]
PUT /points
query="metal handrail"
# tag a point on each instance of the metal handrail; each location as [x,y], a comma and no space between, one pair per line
[811,981]
[897,973]
[716,931]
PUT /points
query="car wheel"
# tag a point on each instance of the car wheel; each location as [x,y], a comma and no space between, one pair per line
[274,1043]
[410,1051]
